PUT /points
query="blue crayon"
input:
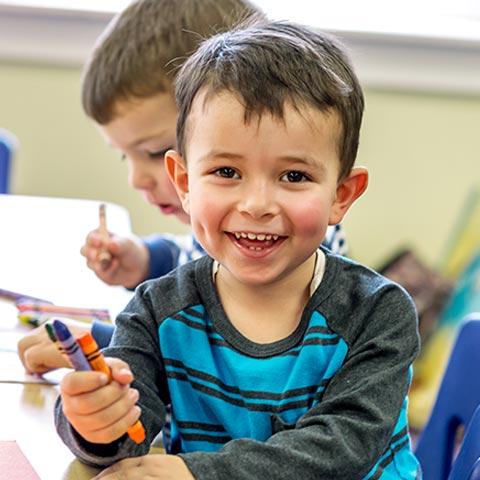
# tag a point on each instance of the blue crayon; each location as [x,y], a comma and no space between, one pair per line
[70,346]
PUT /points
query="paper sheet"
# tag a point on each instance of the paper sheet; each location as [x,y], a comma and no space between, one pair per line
[14,465]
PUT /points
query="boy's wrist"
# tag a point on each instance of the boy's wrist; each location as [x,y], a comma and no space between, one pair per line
[100,449]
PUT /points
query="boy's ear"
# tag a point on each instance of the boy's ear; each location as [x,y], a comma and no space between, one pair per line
[348,190]
[177,171]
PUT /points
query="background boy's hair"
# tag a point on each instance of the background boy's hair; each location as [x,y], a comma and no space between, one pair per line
[266,64]
[138,54]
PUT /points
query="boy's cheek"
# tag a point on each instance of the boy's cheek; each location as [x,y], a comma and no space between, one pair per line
[310,214]
[312,223]
[204,211]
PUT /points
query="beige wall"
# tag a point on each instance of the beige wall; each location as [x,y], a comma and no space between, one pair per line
[422,151]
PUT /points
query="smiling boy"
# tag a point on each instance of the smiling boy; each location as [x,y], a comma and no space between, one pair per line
[127,90]
[279,358]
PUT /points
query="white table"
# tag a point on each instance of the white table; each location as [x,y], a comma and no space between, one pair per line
[40,240]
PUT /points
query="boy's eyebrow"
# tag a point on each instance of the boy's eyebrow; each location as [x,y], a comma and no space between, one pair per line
[307,160]
[221,154]
[148,138]
[138,142]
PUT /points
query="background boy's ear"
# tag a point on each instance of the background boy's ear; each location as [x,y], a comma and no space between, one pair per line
[348,190]
[177,171]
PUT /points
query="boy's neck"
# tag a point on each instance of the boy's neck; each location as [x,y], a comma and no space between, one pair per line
[266,313]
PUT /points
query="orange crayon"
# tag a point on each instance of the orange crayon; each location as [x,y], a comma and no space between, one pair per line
[97,361]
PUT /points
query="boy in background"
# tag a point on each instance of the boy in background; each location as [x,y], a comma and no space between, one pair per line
[279,358]
[127,90]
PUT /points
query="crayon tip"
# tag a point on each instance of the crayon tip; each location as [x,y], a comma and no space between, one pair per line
[137,432]
[51,333]
[61,331]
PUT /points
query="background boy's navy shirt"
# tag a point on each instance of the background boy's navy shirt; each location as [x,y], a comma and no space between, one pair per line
[323,402]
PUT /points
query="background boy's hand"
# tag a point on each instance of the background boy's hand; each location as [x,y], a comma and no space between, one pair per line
[161,467]
[99,411]
[39,354]
[130,259]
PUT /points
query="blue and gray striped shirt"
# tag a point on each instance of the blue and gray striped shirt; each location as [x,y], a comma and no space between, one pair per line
[328,401]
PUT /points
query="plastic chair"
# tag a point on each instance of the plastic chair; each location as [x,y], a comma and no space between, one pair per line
[457,400]
[467,463]
[475,473]
[8,147]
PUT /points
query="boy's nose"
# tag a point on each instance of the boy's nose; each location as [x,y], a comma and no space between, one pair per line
[258,200]
[139,177]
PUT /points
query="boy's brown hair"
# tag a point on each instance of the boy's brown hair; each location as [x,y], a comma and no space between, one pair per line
[138,54]
[266,64]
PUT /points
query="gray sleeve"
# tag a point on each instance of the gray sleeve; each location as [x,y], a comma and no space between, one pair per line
[135,332]
[345,434]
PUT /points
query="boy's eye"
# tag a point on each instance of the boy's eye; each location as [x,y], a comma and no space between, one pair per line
[295,177]
[226,172]
[159,153]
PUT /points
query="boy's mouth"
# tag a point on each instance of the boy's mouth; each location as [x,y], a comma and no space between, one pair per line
[255,241]
[167,209]
[256,236]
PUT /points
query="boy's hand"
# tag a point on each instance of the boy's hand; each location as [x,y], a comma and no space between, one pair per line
[161,467]
[130,259]
[39,354]
[99,411]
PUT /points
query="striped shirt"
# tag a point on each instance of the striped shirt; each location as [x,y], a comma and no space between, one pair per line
[328,401]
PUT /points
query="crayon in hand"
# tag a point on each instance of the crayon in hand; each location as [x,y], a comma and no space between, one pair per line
[52,336]
[104,256]
[97,361]
[70,346]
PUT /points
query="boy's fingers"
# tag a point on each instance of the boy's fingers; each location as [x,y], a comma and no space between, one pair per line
[77,383]
[120,370]
[44,358]
[104,416]
[96,432]
[114,398]
[93,243]
[25,343]
[118,428]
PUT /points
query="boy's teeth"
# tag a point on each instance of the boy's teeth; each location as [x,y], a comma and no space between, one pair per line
[253,236]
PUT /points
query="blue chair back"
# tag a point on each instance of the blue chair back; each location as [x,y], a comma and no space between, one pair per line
[475,473]
[457,400]
[467,463]
[8,146]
